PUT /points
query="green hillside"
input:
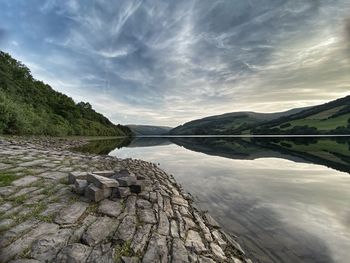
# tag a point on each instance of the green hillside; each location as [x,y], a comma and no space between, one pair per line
[330,118]
[229,123]
[29,106]
[149,130]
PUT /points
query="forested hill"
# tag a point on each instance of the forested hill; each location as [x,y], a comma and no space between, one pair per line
[329,118]
[149,129]
[31,107]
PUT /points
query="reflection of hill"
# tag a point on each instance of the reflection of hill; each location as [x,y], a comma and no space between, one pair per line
[233,148]
[329,152]
[149,141]
[103,146]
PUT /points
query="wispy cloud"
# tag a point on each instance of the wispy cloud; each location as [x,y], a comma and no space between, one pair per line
[166,62]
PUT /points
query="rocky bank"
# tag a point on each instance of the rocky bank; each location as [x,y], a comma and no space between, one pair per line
[43,219]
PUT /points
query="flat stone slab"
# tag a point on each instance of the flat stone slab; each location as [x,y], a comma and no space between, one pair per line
[71,214]
[74,253]
[140,238]
[25,191]
[99,230]
[211,221]
[130,260]
[25,241]
[163,224]
[179,200]
[9,235]
[217,250]
[194,242]
[126,228]
[110,208]
[33,163]
[5,207]
[4,166]
[218,238]
[147,216]
[25,260]
[179,252]
[53,175]
[6,191]
[24,181]
[103,253]
[157,250]
[47,247]
[143,204]
[6,223]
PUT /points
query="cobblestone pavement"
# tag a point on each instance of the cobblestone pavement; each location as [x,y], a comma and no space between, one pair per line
[43,220]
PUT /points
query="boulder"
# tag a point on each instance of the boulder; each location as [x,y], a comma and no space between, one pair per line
[101,182]
[76,175]
[120,192]
[126,181]
[137,187]
[79,186]
[96,194]
[124,173]
[105,173]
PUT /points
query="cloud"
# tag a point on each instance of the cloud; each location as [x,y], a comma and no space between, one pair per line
[2,34]
[166,62]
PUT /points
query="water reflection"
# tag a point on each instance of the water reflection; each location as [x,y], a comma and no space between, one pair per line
[286,199]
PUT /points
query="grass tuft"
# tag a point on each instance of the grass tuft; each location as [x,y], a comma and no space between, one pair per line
[123,250]
[7,178]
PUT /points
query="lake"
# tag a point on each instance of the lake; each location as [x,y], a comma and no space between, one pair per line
[286,199]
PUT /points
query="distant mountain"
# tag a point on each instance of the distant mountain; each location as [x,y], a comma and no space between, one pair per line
[329,118]
[29,106]
[229,123]
[149,130]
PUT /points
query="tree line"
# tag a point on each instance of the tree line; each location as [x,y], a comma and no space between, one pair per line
[31,107]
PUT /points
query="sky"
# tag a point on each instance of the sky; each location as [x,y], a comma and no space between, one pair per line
[166,62]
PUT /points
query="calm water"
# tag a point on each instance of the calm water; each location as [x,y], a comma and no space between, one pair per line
[287,200]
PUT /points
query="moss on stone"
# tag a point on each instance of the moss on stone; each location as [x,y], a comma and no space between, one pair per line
[7,178]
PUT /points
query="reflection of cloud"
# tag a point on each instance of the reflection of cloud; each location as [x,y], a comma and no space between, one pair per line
[176,55]
[278,209]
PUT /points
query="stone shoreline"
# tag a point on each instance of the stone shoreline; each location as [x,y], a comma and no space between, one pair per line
[43,220]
